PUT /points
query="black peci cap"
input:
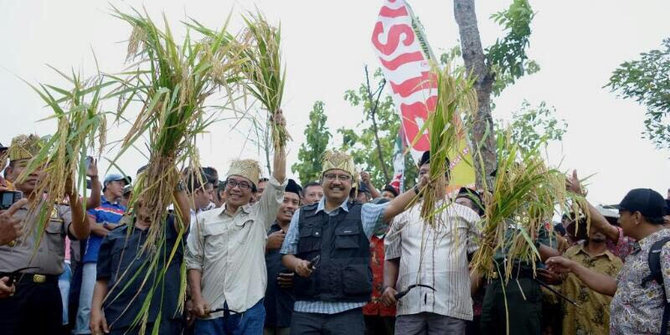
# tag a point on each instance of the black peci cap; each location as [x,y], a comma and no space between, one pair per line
[292,186]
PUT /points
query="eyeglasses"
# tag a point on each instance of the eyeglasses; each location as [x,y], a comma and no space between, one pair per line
[231,183]
[333,176]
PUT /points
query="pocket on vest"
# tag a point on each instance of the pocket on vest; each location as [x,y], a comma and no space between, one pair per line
[310,240]
[346,237]
[357,279]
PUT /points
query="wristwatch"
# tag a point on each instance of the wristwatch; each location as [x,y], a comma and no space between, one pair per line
[416,189]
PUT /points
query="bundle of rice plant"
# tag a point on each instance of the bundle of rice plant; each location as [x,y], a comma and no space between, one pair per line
[263,71]
[172,82]
[81,130]
[525,195]
[455,95]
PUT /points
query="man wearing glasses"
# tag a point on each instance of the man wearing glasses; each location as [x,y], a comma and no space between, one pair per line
[225,255]
[327,245]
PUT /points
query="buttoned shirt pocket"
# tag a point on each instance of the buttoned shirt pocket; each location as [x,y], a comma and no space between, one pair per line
[213,234]
[347,237]
[310,239]
[55,237]
[246,230]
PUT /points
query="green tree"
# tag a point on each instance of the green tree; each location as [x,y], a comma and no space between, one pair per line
[535,126]
[493,70]
[371,141]
[311,151]
[647,81]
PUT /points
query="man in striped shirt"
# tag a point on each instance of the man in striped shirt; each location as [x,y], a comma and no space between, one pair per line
[330,295]
[436,256]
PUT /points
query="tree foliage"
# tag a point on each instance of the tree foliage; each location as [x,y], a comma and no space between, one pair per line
[647,81]
[507,57]
[311,151]
[533,126]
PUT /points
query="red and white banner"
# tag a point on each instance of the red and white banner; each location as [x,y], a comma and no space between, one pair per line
[404,55]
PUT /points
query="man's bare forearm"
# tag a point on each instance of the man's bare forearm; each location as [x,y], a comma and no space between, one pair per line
[391,272]
[289,261]
[600,222]
[99,293]
[80,227]
[597,281]
[97,229]
[279,165]
[374,193]
[398,205]
[96,189]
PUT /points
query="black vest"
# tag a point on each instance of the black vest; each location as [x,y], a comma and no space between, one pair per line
[343,273]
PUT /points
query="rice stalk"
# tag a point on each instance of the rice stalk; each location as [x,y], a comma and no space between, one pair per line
[81,130]
[455,95]
[525,195]
[172,80]
[263,72]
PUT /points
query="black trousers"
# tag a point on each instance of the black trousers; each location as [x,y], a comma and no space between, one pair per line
[346,323]
[34,309]
[379,325]
[521,298]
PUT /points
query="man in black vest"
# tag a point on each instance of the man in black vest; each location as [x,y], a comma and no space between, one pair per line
[327,245]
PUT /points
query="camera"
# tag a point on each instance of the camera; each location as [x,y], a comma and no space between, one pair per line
[8,198]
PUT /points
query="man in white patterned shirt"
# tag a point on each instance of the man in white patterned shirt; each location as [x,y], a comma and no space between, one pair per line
[416,253]
[641,303]
[330,295]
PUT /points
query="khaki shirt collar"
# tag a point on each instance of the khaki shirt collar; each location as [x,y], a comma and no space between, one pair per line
[582,249]
[246,209]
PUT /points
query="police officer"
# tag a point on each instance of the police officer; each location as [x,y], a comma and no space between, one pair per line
[330,295]
[35,307]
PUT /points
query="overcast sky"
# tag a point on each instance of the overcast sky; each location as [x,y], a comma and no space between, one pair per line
[326,44]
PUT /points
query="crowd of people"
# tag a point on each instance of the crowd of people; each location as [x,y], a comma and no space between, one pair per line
[244,254]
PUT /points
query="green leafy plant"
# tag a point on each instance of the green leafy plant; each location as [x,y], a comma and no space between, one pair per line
[646,81]
[81,129]
[455,95]
[525,195]
[311,152]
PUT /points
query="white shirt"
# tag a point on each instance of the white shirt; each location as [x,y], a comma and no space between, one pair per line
[230,251]
[437,258]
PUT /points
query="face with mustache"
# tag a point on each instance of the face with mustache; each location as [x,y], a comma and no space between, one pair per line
[288,207]
[336,185]
[27,186]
